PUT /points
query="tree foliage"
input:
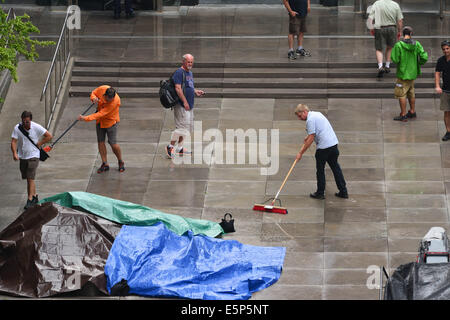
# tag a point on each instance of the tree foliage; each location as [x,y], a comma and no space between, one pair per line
[15,39]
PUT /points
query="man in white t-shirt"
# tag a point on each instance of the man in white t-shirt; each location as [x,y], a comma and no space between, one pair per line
[319,130]
[27,153]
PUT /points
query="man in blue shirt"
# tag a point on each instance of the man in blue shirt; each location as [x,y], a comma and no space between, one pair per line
[298,10]
[319,130]
[184,111]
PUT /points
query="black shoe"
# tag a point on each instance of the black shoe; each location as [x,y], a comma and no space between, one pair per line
[291,55]
[131,15]
[316,195]
[387,70]
[341,194]
[303,53]
[446,136]
[411,115]
[169,151]
[401,118]
[380,73]
[29,204]
[35,200]
[183,151]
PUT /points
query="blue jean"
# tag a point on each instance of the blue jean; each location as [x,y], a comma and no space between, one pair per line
[329,155]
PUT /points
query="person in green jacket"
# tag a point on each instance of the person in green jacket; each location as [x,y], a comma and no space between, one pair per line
[408,55]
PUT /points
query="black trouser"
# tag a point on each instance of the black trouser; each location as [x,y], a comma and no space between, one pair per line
[117,7]
[329,155]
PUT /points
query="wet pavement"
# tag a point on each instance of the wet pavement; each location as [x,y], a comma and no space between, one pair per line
[397,173]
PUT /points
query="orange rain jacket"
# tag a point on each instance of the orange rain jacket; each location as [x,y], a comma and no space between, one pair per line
[107,112]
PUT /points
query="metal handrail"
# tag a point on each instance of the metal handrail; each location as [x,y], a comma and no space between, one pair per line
[55,77]
[8,17]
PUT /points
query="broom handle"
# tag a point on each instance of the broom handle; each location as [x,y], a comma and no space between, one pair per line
[70,127]
[285,179]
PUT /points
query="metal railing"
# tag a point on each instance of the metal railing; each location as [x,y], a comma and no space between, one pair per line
[5,75]
[57,72]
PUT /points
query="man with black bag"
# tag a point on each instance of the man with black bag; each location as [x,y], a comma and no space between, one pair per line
[27,139]
[183,111]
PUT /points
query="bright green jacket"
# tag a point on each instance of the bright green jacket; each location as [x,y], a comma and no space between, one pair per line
[408,55]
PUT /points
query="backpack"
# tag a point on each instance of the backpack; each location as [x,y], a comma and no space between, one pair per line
[167,93]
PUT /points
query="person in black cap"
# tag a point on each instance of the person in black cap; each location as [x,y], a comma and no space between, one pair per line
[107,119]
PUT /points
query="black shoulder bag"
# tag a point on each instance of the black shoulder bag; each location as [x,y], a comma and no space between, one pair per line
[43,155]
[167,93]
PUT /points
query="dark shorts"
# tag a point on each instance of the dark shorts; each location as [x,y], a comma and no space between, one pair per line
[28,168]
[297,24]
[385,37]
[111,132]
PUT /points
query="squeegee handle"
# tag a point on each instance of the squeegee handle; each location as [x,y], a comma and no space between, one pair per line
[284,182]
[70,127]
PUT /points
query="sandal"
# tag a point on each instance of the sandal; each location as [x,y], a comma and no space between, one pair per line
[104,167]
[121,166]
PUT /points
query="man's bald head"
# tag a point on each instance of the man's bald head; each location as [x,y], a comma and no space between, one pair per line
[188,61]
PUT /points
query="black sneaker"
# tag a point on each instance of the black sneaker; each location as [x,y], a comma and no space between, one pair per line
[316,195]
[387,70]
[183,151]
[411,115]
[341,194]
[446,137]
[35,200]
[303,53]
[169,150]
[291,55]
[29,204]
[401,118]
[380,73]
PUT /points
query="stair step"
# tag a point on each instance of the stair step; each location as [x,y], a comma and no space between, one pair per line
[279,93]
[298,74]
[240,83]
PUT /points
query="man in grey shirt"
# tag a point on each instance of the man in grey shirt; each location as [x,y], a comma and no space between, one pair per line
[319,130]
[387,19]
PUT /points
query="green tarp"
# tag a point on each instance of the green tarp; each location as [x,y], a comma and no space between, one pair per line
[128,213]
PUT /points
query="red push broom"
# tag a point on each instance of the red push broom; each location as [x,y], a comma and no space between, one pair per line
[50,147]
[271,207]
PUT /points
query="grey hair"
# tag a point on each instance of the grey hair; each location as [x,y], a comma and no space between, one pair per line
[301,107]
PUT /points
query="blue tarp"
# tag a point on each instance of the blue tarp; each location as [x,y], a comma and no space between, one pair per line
[155,261]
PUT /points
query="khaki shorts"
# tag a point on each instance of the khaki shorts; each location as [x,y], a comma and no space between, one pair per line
[445,101]
[297,24]
[184,122]
[28,168]
[385,37]
[404,89]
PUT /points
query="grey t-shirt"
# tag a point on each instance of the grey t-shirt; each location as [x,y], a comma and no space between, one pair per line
[317,124]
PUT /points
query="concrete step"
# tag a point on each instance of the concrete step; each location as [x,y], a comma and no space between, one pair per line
[248,80]
[299,64]
[278,93]
[299,73]
[316,83]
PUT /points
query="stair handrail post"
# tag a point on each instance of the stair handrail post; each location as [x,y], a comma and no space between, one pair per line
[58,77]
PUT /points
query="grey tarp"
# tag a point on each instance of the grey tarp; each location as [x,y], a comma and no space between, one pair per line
[50,250]
[419,281]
